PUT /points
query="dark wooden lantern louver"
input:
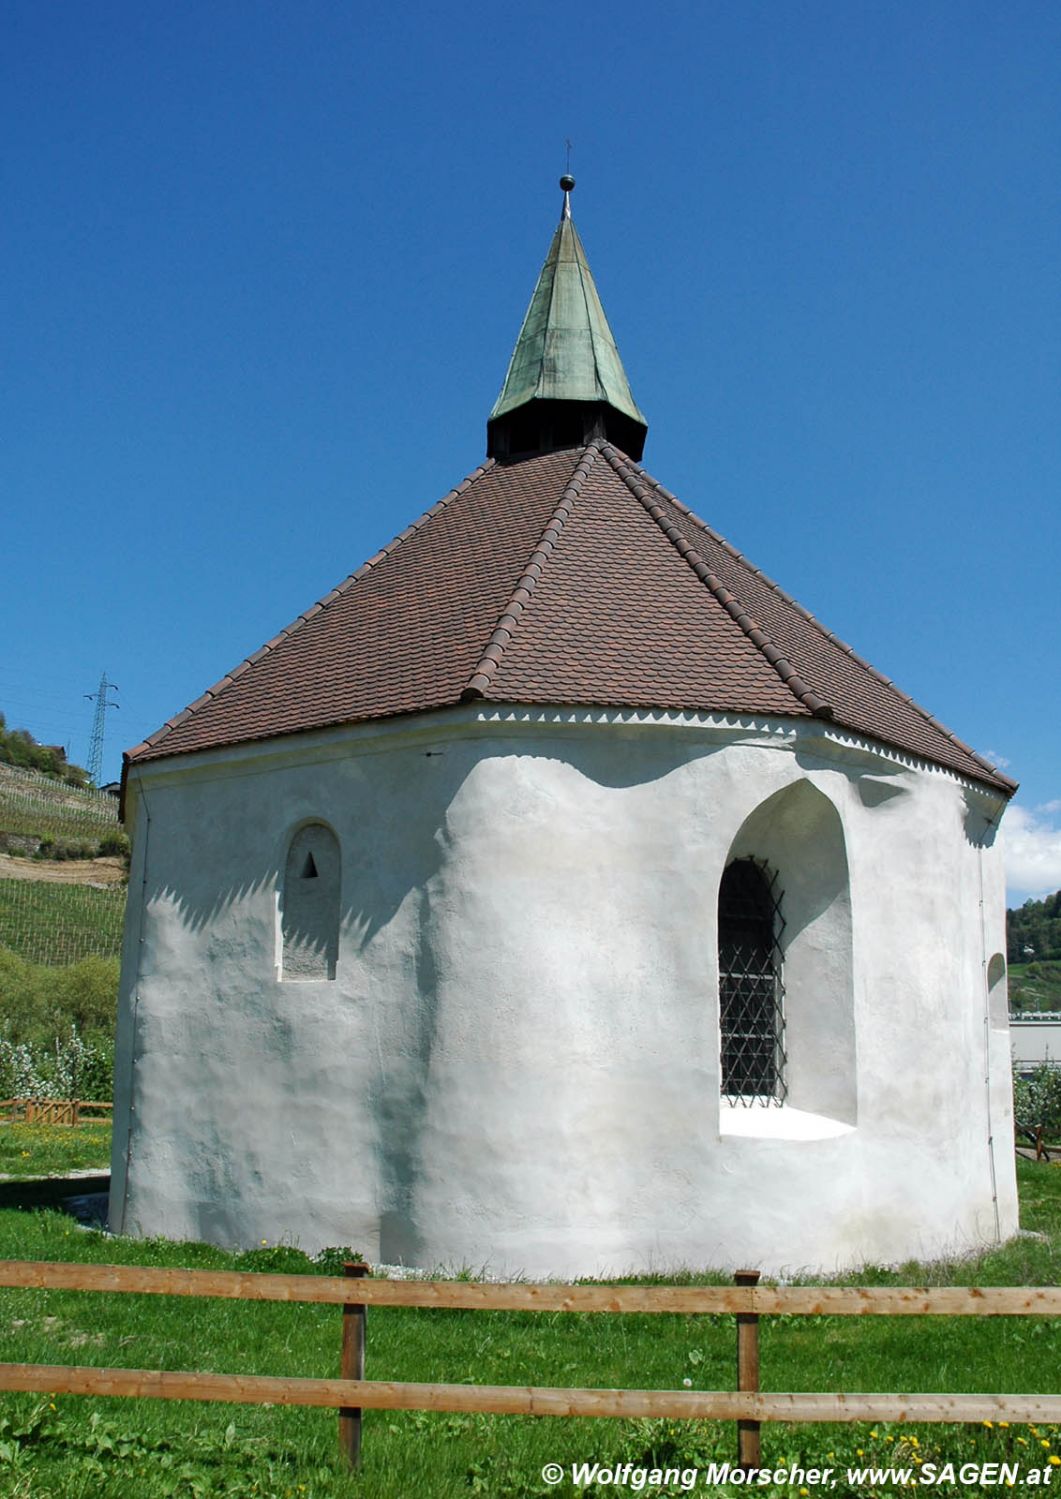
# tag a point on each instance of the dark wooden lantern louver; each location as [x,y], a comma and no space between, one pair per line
[749,984]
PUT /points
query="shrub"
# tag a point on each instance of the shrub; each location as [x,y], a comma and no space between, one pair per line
[59,849]
[38,1003]
[86,993]
[114,844]
[22,1003]
[18,747]
[20,1076]
[1037,1100]
[275,1259]
[77,1068]
[330,1261]
[97,1073]
[68,1067]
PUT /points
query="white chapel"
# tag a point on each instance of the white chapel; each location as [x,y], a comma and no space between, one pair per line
[558,896]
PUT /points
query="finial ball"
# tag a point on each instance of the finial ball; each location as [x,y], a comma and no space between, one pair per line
[567,182]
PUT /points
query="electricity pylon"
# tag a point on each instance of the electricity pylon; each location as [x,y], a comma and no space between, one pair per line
[95,749]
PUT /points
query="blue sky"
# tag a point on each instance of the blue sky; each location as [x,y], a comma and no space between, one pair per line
[263,266]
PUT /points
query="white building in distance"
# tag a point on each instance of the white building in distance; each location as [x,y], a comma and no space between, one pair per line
[558,896]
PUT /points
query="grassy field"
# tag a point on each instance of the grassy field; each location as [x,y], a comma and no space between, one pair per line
[53,923]
[73,1448]
[1034,986]
[28,1150]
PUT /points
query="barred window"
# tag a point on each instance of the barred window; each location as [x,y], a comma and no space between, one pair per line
[751,995]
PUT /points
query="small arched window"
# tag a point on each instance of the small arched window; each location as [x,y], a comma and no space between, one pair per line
[998,993]
[309,905]
[751,996]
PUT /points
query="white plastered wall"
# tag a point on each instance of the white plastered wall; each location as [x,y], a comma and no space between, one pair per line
[517,1064]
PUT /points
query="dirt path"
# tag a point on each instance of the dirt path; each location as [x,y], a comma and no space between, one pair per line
[63,872]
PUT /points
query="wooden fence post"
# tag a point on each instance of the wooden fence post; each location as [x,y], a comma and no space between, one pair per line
[352,1366]
[749,1446]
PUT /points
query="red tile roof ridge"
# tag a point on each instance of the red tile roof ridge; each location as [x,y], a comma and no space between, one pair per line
[629,472]
[812,619]
[226,681]
[494,650]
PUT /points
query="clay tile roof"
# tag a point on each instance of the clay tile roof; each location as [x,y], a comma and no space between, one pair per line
[568,578]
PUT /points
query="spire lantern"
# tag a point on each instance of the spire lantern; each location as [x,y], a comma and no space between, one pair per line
[565,383]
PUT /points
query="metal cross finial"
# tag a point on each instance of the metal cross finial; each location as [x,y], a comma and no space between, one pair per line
[567,182]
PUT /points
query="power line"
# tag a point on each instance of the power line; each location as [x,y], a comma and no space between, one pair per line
[103,702]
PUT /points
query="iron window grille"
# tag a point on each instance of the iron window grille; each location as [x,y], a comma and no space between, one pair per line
[751,993]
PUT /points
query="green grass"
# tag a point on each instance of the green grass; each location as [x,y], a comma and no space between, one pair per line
[58,923]
[1035,986]
[28,1150]
[73,1448]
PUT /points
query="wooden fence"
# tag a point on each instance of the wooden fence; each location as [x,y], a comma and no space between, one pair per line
[351,1393]
[52,1110]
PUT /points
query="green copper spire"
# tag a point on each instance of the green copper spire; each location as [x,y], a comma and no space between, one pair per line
[565,381]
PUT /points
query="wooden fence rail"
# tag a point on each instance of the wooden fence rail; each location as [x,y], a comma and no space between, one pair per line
[459,1295]
[52,1110]
[351,1393]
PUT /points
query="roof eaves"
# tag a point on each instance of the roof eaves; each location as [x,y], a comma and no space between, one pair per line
[493,653]
[153,740]
[804,695]
[995,775]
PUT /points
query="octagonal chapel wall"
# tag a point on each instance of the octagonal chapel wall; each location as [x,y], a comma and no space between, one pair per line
[516,1063]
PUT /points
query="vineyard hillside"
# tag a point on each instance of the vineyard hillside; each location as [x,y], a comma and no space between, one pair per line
[44,921]
[62,874]
[35,808]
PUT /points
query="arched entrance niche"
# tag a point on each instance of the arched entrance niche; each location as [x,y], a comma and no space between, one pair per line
[309,904]
[797,835]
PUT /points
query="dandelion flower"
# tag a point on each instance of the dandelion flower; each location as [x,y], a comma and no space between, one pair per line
[1043,1442]
[1055,1461]
[989,1424]
[687,1383]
